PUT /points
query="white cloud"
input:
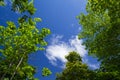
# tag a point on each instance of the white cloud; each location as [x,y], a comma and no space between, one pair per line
[77,45]
[58,49]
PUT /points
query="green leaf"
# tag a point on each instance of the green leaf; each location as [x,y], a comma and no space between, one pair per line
[37,19]
[46,72]
[2,3]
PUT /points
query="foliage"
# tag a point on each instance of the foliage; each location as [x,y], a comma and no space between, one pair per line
[46,72]
[17,42]
[75,69]
[101,35]
[100,28]
[107,75]
[21,6]
[2,3]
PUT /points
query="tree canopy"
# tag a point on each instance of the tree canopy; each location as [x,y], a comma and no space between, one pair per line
[101,28]
[101,35]
[21,6]
[75,69]
[17,42]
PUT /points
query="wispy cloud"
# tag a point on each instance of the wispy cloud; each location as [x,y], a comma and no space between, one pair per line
[58,49]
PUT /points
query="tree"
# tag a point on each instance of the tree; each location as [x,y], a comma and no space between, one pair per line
[21,6]
[100,29]
[107,75]
[75,69]
[17,42]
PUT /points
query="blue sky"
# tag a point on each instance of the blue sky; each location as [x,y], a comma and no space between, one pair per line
[60,17]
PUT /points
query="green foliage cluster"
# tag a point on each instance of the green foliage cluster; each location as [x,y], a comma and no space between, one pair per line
[2,3]
[46,72]
[101,36]
[21,5]
[101,32]
[75,69]
[17,42]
